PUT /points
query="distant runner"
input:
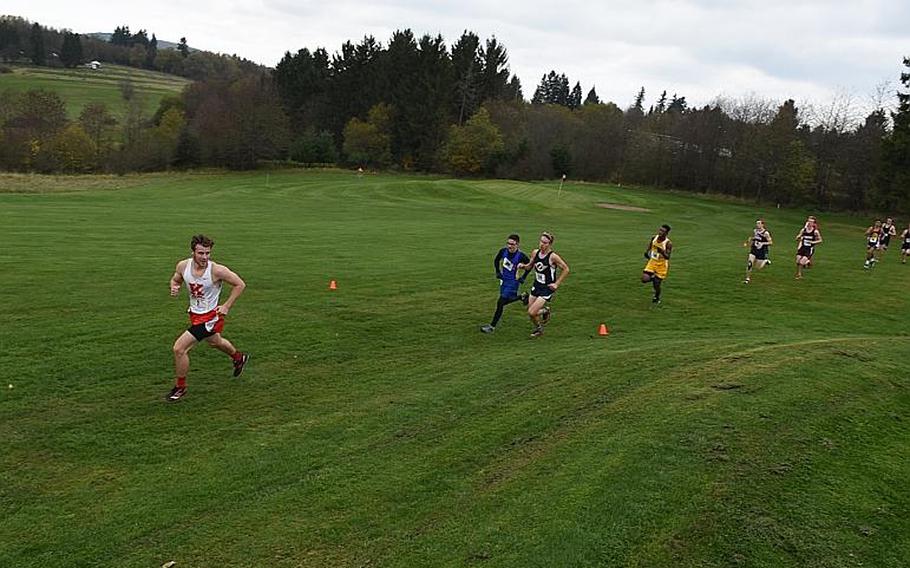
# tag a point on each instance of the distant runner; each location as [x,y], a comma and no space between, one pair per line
[658,254]
[759,243]
[808,237]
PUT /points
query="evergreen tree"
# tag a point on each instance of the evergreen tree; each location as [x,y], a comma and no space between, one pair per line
[895,184]
[183,48]
[9,40]
[554,90]
[574,99]
[592,98]
[151,51]
[513,90]
[121,36]
[468,68]
[562,91]
[36,43]
[638,105]
[495,71]
[302,82]
[71,51]
[139,38]
[542,92]
[661,104]
[677,104]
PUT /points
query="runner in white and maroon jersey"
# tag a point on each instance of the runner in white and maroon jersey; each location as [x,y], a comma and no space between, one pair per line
[203,280]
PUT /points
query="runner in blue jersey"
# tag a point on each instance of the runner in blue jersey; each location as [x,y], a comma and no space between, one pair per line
[506,264]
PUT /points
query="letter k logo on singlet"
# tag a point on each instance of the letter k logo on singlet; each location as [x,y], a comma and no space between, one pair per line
[196,290]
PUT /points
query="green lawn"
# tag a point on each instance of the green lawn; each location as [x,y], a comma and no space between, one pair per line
[81,86]
[761,425]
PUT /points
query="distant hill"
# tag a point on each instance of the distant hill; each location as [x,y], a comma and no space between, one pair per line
[80,86]
[162,44]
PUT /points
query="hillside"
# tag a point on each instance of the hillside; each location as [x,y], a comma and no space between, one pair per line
[81,86]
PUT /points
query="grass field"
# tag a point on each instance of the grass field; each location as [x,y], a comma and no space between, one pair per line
[78,87]
[761,425]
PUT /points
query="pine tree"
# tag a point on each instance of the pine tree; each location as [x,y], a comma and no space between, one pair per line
[468,69]
[592,98]
[139,38]
[542,92]
[661,103]
[151,52]
[513,90]
[121,36]
[71,51]
[573,101]
[677,104]
[639,103]
[36,39]
[895,185]
[495,70]
[9,40]
[183,48]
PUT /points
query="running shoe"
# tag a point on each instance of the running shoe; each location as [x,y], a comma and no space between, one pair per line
[175,394]
[239,364]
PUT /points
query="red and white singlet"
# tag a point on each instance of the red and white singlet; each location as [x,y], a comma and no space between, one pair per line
[204,293]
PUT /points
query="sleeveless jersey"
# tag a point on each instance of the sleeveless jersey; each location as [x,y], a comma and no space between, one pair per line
[906,236]
[886,233]
[808,238]
[509,264]
[874,237]
[658,250]
[203,291]
[545,274]
[759,236]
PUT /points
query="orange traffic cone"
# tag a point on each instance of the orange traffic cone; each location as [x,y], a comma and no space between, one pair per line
[603,331]
[332,285]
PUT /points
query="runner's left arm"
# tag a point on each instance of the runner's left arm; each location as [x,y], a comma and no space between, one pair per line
[237,286]
[563,270]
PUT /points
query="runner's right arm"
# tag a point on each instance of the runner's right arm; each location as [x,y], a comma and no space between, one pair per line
[177,278]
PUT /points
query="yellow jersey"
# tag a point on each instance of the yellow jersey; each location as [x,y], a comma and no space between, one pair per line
[657,260]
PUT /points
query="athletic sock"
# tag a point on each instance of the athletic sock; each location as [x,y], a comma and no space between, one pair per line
[237,356]
[181,382]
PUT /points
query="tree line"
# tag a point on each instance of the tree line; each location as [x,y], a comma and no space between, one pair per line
[416,104]
[25,42]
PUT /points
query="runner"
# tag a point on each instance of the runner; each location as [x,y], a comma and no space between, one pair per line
[658,255]
[760,241]
[544,262]
[505,263]
[203,279]
[808,237]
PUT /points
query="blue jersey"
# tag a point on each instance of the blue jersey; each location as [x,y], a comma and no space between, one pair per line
[506,265]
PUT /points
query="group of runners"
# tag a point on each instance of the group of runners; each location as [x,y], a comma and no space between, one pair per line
[203,279]
[550,270]
[878,237]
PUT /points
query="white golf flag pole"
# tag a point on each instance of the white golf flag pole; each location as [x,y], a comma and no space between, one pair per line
[559,191]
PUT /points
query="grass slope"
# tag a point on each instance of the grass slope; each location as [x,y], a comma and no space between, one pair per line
[78,87]
[734,426]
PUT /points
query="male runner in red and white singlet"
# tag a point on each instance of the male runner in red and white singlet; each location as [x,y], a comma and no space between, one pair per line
[203,280]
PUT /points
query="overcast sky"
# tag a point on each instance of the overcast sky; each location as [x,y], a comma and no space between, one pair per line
[811,51]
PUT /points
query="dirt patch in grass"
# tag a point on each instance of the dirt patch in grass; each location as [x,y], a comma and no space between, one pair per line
[619,207]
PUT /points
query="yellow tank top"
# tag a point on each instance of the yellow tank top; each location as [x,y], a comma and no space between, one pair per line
[656,253]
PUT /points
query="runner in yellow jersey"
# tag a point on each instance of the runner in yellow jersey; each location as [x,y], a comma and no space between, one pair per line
[658,255]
